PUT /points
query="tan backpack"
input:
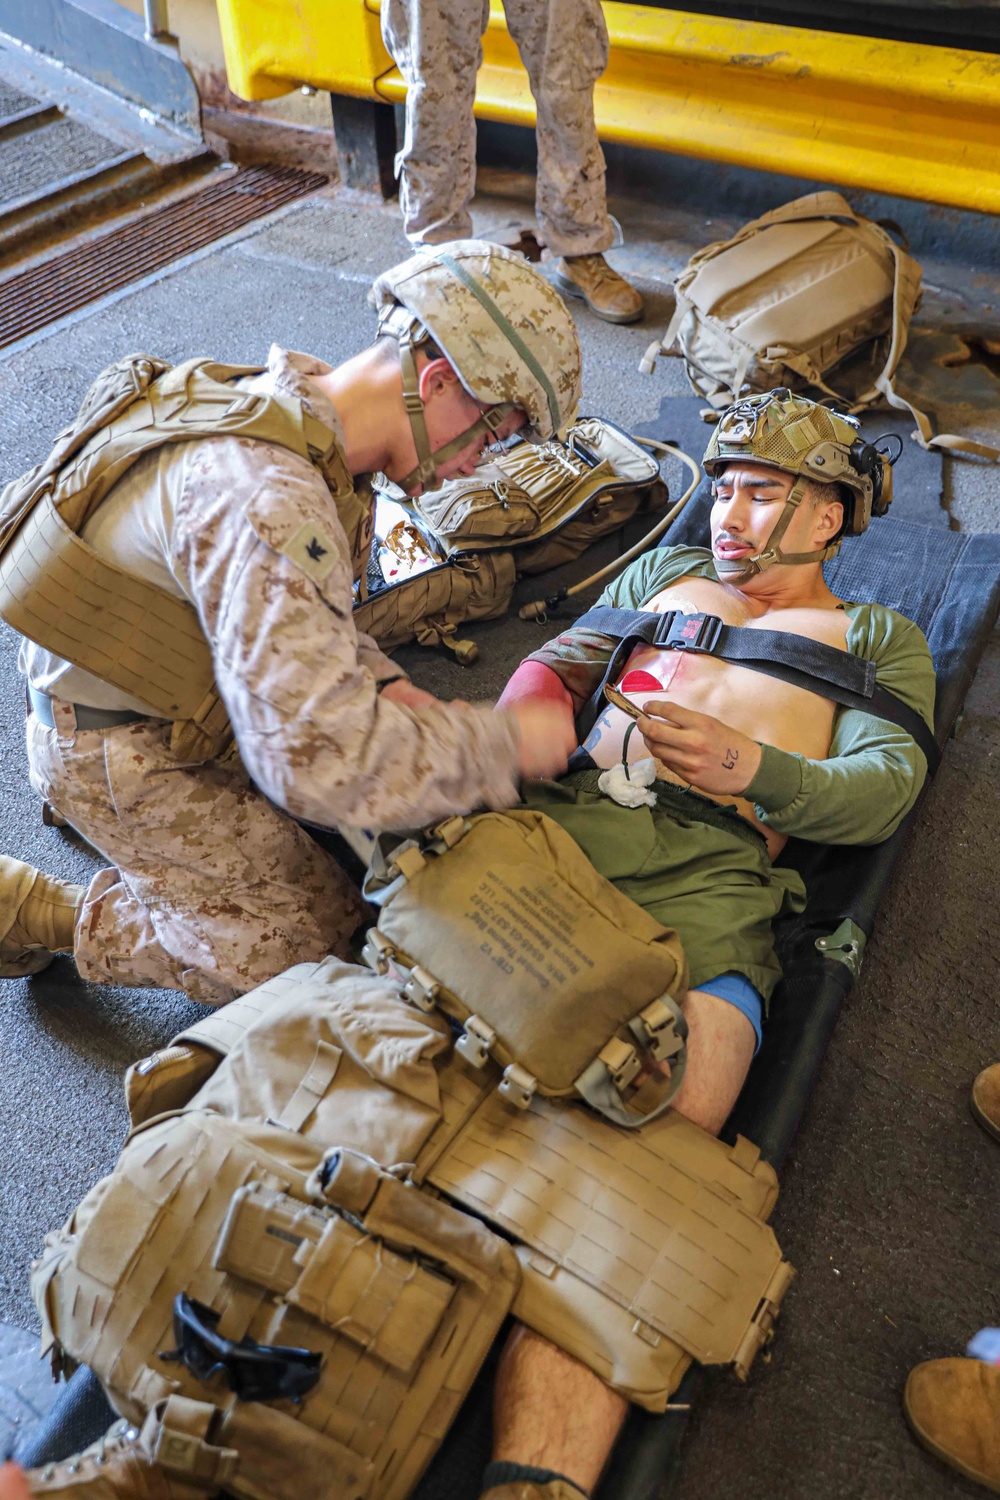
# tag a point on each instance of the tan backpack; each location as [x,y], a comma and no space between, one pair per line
[812,296]
[532,508]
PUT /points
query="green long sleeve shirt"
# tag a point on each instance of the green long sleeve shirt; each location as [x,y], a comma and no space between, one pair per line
[860,793]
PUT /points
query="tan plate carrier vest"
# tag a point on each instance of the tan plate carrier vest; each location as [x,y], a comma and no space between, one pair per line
[58,592]
[316,1166]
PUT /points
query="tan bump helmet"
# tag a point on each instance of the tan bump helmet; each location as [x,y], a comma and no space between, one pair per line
[802,437]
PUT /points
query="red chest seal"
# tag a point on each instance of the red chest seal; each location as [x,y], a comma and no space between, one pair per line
[640,682]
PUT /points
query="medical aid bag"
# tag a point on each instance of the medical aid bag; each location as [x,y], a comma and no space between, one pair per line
[502,922]
[454,555]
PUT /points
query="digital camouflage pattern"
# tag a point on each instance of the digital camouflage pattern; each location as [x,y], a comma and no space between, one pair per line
[213,889]
[437,47]
[491,366]
[220,900]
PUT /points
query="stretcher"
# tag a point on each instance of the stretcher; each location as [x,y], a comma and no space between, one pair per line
[949,583]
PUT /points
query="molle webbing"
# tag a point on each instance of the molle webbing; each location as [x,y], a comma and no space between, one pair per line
[58,592]
[301,1196]
[401,1305]
[795,659]
[640,1251]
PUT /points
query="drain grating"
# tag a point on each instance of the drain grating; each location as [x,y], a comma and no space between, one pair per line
[30,299]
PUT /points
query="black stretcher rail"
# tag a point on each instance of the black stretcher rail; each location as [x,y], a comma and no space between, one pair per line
[949,583]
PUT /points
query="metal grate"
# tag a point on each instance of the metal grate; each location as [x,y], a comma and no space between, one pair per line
[30,299]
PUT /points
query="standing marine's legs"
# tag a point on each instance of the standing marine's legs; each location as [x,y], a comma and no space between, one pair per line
[564,47]
[437,47]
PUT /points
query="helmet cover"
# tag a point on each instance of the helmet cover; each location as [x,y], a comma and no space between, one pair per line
[504,329]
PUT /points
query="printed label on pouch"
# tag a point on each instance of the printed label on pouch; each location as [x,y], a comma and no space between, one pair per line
[525,930]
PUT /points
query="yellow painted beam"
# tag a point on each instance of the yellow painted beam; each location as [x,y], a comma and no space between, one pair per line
[893,117]
[275,46]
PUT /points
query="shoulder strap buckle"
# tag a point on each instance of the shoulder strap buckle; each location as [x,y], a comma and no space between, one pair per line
[660,1029]
[475,1042]
[622,1062]
[421,989]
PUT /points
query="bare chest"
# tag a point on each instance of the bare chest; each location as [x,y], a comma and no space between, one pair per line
[766,709]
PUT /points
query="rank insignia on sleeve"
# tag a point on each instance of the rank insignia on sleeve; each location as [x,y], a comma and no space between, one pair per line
[312,550]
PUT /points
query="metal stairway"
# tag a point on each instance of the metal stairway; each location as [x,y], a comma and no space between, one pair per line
[80,216]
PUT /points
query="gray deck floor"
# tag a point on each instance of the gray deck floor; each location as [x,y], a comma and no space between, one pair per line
[889,1206]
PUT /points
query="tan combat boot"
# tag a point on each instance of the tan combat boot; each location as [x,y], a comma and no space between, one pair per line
[168,1458]
[984,1100]
[37,917]
[606,293]
[953,1408]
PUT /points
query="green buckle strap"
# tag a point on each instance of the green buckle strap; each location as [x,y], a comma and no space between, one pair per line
[509,332]
[846,945]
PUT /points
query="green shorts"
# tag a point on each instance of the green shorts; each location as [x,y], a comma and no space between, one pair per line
[692,864]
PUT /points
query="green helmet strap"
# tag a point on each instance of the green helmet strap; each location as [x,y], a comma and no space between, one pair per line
[426,471]
[509,332]
[748,567]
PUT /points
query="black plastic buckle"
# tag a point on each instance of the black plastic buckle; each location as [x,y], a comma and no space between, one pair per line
[254,1372]
[698,633]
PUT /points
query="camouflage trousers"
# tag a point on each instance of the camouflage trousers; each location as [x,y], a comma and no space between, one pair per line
[213,890]
[437,46]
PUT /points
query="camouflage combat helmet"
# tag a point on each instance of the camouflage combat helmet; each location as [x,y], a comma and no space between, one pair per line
[803,438]
[503,328]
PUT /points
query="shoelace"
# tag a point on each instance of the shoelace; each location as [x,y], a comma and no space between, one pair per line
[119,1436]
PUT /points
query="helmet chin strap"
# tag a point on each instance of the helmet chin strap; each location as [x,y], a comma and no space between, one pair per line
[426,471]
[745,568]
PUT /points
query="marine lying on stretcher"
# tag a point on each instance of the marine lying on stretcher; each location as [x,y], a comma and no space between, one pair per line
[316,1174]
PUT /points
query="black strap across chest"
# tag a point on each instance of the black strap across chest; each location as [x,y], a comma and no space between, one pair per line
[795,659]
